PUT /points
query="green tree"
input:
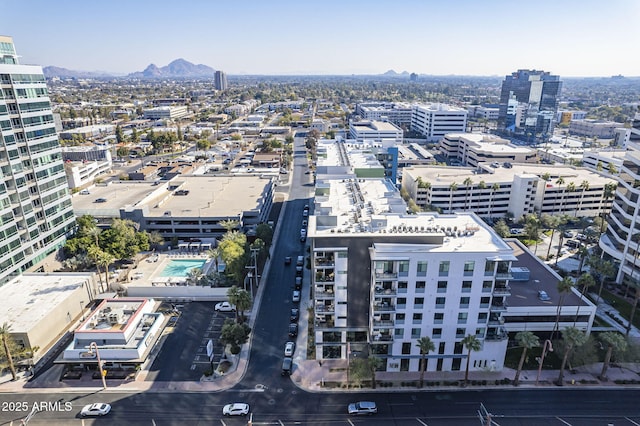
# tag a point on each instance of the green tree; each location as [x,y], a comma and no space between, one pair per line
[526,340]
[229,224]
[550,222]
[453,187]
[468,185]
[573,338]
[203,145]
[5,336]
[241,299]
[494,188]
[265,233]
[584,282]
[532,229]
[119,134]
[564,287]
[471,343]
[234,334]
[502,228]
[584,185]
[603,269]
[615,343]
[426,345]
[122,151]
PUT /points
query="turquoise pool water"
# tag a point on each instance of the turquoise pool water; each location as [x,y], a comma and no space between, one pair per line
[180,267]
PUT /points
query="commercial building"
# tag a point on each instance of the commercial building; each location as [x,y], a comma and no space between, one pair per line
[518,190]
[36,213]
[434,121]
[185,207]
[472,149]
[375,131]
[220,80]
[84,164]
[529,103]
[396,112]
[594,128]
[166,113]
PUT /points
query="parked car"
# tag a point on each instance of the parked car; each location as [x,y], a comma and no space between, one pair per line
[236,409]
[295,296]
[97,409]
[295,314]
[542,295]
[362,407]
[224,307]
[85,192]
[298,283]
[568,234]
[289,348]
[100,200]
[287,364]
[293,330]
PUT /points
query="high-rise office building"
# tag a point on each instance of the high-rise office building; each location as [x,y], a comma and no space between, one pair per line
[36,214]
[220,80]
[529,102]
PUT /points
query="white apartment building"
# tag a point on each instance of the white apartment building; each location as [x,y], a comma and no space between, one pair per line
[434,121]
[519,190]
[375,131]
[166,113]
[473,149]
[395,112]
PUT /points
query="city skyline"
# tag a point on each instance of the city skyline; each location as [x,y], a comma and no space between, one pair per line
[570,38]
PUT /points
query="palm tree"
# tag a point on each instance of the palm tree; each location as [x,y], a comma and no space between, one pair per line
[571,187]
[229,224]
[560,182]
[615,343]
[241,299]
[468,183]
[452,188]
[471,343]
[5,336]
[373,363]
[550,222]
[564,287]
[584,185]
[105,259]
[482,185]
[494,188]
[426,345]
[573,338]
[603,268]
[585,281]
[194,275]
[546,177]
[526,340]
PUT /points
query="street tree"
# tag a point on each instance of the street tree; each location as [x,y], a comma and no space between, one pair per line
[471,343]
[573,338]
[615,343]
[526,340]
[564,287]
[234,334]
[241,299]
[603,269]
[584,282]
[426,345]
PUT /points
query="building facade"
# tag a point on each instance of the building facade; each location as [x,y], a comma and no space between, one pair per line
[220,81]
[35,205]
[375,131]
[436,120]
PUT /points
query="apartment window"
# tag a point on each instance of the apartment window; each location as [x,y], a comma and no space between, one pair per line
[437,333]
[468,268]
[487,286]
[489,268]
[402,287]
[460,333]
[482,317]
[422,268]
[462,317]
[440,301]
[399,333]
[420,286]
[484,302]
[401,303]
[415,333]
[442,286]
[441,347]
[466,286]
[400,318]
[406,348]
[438,318]
[443,270]
[417,318]
[403,268]
[480,332]
[418,303]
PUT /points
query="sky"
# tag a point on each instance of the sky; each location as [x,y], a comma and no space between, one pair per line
[572,38]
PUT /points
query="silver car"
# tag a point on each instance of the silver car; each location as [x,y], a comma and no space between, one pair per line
[362,407]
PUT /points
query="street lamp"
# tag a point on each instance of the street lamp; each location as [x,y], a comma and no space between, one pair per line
[544,352]
[93,346]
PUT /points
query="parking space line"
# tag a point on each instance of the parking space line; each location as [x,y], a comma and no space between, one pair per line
[566,423]
[421,422]
[631,421]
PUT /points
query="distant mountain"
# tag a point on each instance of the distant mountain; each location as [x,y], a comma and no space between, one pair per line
[177,68]
[392,73]
[50,72]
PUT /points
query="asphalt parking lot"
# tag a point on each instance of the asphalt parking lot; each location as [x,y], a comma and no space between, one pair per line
[183,355]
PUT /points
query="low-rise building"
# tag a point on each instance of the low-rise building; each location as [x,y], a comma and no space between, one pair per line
[473,149]
[434,121]
[166,112]
[375,131]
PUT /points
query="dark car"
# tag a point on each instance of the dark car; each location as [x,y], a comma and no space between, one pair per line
[295,314]
[287,260]
[293,330]
[298,283]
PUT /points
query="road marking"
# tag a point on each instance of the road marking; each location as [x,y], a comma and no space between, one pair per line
[350,422]
[635,423]
[421,422]
[566,423]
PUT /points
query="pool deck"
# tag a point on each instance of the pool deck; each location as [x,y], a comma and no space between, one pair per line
[149,270]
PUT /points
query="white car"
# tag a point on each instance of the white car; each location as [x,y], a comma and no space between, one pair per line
[289,348]
[295,297]
[97,409]
[224,307]
[542,295]
[236,409]
[362,407]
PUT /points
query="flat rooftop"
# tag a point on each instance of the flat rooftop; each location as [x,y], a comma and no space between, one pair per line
[29,298]
[374,126]
[204,195]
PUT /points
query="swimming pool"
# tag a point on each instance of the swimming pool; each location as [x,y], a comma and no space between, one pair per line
[180,267]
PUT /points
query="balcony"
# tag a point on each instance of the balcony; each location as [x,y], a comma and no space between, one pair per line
[377,336]
[495,320]
[502,291]
[321,308]
[383,323]
[496,336]
[498,307]
[386,291]
[327,323]
[322,293]
[324,262]
[383,307]
[322,277]
[386,275]
[504,275]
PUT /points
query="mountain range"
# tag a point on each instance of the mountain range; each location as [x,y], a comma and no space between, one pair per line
[178,68]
